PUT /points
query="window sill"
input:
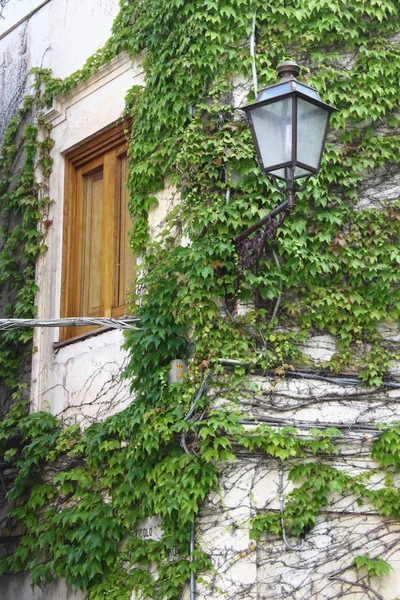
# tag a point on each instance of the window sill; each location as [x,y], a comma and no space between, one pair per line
[81,338]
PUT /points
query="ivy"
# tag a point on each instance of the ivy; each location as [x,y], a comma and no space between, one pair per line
[374,566]
[22,203]
[79,497]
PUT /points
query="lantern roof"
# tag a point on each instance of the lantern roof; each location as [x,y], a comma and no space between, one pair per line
[285,87]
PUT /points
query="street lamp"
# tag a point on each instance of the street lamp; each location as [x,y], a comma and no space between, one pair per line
[289,124]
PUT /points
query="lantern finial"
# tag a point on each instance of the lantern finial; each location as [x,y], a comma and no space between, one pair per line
[287,70]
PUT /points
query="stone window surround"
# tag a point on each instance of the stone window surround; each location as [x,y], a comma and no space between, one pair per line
[76,117]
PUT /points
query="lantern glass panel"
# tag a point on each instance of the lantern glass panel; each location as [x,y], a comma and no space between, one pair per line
[306,90]
[298,172]
[273,129]
[274,90]
[311,127]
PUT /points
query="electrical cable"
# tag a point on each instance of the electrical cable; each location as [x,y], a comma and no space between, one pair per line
[338,380]
[192,573]
[353,381]
[192,408]
[252,45]
[359,430]
[198,395]
[7,324]
[125,323]
[278,300]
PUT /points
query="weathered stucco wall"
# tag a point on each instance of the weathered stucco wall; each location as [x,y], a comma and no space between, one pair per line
[318,568]
[54,37]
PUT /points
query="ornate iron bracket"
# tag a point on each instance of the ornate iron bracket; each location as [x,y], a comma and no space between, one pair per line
[250,250]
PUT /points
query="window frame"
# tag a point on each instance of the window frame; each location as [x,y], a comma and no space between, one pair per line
[102,151]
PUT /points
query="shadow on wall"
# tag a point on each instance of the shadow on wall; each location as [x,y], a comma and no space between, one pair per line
[14,71]
[18,587]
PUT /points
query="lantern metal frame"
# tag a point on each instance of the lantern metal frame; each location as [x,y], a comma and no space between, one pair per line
[295,94]
[250,250]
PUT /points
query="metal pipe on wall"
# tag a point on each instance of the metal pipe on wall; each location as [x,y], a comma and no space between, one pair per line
[192,574]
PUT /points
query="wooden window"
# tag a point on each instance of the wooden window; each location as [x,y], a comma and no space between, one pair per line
[98,266]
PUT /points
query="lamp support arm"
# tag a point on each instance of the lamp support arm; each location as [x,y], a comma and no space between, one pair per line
[273,213]
[290,189]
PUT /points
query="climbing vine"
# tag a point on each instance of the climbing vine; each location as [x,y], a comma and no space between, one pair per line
[23,204]
[78,499]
